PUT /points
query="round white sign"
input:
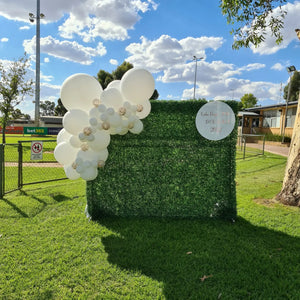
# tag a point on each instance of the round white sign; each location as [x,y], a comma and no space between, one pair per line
[215,120]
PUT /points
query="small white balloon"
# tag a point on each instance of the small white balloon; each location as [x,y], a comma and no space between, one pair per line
[114,120]
[64,153]
[93,155]
[101,141]
[137,127]
[114,84]
[89,174]
[75,120]
[75,141]
[137,85]
[94,113]
[71,173]
[79,90]
[146,109]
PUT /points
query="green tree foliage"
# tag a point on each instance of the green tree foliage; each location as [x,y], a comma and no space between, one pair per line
[14,85]
[248,100]
[118,73]
[59,110]
[250,20]
[104,78]
[295,87]
[47,108]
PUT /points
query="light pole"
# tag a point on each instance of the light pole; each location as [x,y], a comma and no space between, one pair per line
[291,70]
[196,59]
[37,17]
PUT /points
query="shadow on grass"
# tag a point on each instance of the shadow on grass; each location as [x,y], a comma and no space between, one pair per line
[196,259]
[15,208]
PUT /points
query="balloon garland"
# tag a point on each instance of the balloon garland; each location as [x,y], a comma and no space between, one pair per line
[95,114]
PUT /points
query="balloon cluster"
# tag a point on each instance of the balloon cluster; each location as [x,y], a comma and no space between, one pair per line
[95,114]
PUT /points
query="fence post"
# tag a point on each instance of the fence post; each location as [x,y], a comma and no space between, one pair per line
[20,166]
[2,171]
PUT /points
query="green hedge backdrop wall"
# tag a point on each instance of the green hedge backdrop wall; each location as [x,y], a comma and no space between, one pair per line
[169,170]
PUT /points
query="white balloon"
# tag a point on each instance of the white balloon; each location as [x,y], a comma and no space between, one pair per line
[93,155]
[89,173]
[114,84]
[112,98]
[79,90]
[101,141]
[63,136]
[137,127]
[71,173]
[75,121]
[115,120]
[65,154]
[137,85]
[75,141]
[94,113]
[146,110]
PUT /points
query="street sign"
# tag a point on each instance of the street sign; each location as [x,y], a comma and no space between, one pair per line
[36,150]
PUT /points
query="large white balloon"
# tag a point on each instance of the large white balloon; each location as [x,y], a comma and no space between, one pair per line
[101,141]
[71,173]
[79,91]
[75,121]
[75,141]
[64,153]
[137,85]
[63,136]
[112,98]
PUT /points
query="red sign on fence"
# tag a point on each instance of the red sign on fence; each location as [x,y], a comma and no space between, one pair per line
[13,130]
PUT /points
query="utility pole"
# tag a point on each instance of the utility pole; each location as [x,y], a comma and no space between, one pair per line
[37,17]
[196,59]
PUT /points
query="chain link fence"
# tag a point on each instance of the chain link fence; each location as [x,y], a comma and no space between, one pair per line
[28,163]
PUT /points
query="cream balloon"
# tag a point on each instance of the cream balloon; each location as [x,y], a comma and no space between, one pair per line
[114,84]
[64,153]
[137,85]
[93,155]
[75,120]
[137,127]
[63,136]
[101,141]
[79,91]
[75,141]
[71,173]
[146,109]
[112,98]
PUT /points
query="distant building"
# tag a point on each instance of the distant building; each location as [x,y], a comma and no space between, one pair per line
[268,119]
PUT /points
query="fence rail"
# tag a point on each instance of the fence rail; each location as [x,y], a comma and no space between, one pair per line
[17,167]
[245,139]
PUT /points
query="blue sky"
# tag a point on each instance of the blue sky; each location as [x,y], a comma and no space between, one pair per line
[161,36]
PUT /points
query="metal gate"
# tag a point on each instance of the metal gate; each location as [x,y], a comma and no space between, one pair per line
[18,166]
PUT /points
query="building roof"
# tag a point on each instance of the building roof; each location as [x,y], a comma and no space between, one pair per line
[258,108]
[247,113]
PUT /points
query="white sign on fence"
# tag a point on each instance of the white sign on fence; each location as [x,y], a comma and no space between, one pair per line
[36,150]
[215,120]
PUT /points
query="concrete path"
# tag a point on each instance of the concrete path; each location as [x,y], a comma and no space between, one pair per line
[283,151]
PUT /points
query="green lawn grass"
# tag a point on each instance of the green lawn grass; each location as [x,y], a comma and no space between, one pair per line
[49,249]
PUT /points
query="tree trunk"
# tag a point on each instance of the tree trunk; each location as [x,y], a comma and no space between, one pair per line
[290,192]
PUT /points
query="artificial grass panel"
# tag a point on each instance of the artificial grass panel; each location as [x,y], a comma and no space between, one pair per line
[169,170]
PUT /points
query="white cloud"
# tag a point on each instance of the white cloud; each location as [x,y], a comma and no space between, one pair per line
[24,28]
[71,51]
[46,60]
[291,22]
[113,62]
[108,19]
[277,67]
[4,40]
[166,52]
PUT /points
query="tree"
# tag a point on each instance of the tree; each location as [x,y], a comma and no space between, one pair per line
[59,110]
[118,73]
[252,18]
[290,192]
[17,114]
[14,85]
[47,108]
[294,89]
[104,78]
[248,100]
